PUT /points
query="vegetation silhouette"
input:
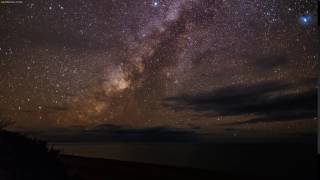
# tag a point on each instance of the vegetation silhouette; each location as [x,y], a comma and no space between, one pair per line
[24,158]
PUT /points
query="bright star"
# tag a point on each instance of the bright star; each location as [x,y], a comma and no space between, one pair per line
[155,3]
[305,20]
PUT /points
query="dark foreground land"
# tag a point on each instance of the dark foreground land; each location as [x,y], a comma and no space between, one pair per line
[22,158]
[98,169]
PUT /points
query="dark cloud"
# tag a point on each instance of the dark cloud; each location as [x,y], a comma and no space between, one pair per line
[265,100]
[65,63]
[115,133]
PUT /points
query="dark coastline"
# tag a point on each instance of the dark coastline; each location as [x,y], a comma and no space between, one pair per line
[98,169]
[23,158]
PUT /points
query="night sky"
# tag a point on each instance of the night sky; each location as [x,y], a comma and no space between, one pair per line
[226,67]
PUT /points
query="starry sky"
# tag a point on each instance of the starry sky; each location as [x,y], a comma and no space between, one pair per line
[227,67]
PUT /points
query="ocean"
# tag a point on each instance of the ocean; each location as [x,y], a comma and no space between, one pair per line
[241,158]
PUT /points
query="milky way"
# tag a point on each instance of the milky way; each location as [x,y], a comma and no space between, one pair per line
[148,63]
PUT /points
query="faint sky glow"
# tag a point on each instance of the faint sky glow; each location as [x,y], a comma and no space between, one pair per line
[224,67]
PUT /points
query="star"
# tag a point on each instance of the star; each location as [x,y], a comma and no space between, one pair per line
[119,61]
[305,20]
[155,4]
